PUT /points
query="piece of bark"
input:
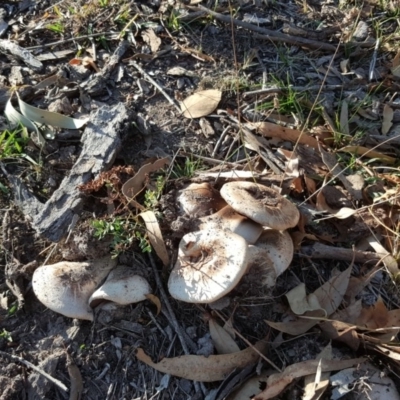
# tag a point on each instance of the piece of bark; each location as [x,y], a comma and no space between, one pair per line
[96,84]
[323,251]
[22,54]
[101,143]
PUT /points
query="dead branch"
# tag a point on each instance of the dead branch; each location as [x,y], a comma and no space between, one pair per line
[273,36]
[323,251]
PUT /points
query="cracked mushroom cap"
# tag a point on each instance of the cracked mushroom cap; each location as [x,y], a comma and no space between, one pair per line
[66,287]
[200,199]
[228,218]
[279,248]
[210,264]
[122,287]
[261,204]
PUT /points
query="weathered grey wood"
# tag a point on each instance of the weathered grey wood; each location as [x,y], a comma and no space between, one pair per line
[19,52]
[96,84]
[101,143]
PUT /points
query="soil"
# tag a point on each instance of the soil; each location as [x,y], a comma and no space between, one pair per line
[217,56]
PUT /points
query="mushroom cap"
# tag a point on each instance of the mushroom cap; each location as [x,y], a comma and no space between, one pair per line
[199,199]
[66,287]
[122,287]
[279,247]
[261,265]
[210,264]
[261,204]
[228,218]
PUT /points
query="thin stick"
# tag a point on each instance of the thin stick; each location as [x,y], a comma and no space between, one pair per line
[323,251]
[274,36]
[151,80]
[170,315]
[34,367]
[250,345]
[72,40]
[294,88]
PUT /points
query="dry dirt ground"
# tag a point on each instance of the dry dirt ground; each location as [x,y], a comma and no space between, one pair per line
[328,68]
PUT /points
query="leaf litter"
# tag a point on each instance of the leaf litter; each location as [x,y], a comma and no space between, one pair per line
[338,131]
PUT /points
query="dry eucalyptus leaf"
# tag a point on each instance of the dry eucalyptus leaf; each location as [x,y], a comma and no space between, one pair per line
[299,302]
[269,129]
[222,340]
[344,118]
[201,103]
[155,300]
[329,295]
[49,118]
[247,390]
[151,39]
[205,369]
[374,317]
[155,236]
[387,119]
[316,384]
[133,186]
[276,383]
[342,213]
[365,151]
[396,65]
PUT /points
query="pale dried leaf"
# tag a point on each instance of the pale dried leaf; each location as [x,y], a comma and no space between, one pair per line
[222,340]
[50,118]
[276,383]
[133,186]
[329,295]
[201,103]
[205,369]
[247,390]
[15,118]
[389,261]
[155,300]
[341,213]
[369,153]
[155,236]
[344,118]
[316,384]
[75,377]
[299,302]
[387,119]
[375,316]
[151,39]
[269,129]
[395,69]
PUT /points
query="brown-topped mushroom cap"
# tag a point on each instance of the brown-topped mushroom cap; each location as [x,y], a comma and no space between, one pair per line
[200,199]
[210,264]
[261,204]
[65,287]
[278,246]
[228,218]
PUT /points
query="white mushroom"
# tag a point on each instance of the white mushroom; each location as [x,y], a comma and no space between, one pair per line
[66,287]
[199,199]
[261,204]
[228,218]
[278,246]
[122,287]
[261,266]
[210,264]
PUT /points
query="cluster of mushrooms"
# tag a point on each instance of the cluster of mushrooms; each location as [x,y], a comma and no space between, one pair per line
[74,289]
[241,228]
[246,231]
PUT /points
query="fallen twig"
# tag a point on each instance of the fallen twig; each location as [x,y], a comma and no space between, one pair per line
[321,251]
[22,54]
[35,368]
[171,315]
[153,82]
[276,90]
[73,40]
[273,36]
